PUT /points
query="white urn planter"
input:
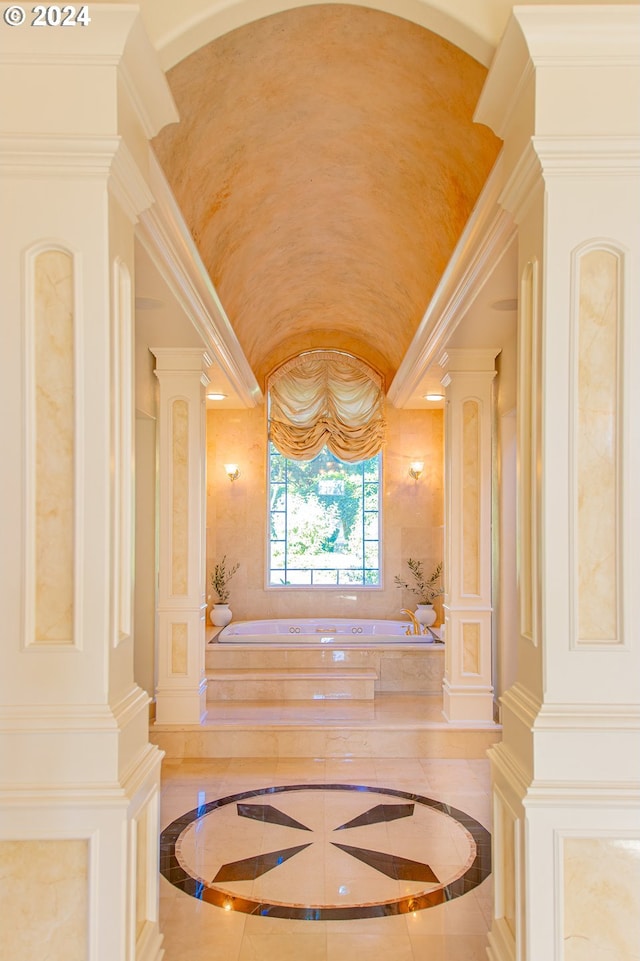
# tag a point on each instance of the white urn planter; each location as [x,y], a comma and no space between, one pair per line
[221,615]
[425,615]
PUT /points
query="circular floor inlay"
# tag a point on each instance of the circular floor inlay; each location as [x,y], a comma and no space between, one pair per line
[323,852]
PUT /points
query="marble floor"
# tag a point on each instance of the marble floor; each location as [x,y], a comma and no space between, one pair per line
[272,859]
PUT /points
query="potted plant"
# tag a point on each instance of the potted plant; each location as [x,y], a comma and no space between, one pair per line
[220,576]
[425,588]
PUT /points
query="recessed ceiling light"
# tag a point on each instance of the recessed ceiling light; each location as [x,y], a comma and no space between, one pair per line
[511,304]
[215,396]
[433,396]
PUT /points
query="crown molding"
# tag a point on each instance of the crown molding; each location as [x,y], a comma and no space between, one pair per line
[588,717]
[75,157]
[487,236]
[32,155]
[167,240]
[575,156]
[83,718]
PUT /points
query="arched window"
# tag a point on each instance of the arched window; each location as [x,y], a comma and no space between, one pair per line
[326,431]
[326,398]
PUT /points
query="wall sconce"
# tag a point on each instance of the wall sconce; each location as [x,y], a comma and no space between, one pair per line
[415,468]
[232,471]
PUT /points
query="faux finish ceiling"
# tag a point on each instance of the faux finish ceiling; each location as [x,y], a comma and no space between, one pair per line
[326,162]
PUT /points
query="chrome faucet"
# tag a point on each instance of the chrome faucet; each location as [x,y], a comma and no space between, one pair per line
[414,621]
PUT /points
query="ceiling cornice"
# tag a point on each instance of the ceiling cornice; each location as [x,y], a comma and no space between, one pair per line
[487,236]
[164,235]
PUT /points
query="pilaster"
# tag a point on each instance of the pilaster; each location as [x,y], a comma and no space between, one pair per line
[467,687]
[563,94]
[182,685]
[78,779]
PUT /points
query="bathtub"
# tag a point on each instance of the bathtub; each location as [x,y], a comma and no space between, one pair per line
[337,631]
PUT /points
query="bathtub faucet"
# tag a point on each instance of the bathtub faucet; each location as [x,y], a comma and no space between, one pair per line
[414,621]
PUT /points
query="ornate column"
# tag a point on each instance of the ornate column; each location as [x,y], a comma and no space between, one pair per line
[78,779]
[562,94]
[467,687]
[182,685]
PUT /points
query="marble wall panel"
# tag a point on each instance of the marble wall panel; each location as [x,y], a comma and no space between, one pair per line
[408,672]
[180,497]
[470,497]
[597,447]
[142,861]
[54,398]
[527,373]
[44,900]
[179,648]
[506,844]
[601,884]
[470,648]
[122,387]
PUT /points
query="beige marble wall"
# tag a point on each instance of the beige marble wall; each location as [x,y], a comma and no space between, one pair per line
[44,900]
[471,498]
[179,649]
[597,448]
[528,361]
[53,377]
[180,497]
[601,906]
[142,877]
[412,516]
[471,648]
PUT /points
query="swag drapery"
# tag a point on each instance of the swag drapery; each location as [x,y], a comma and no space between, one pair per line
[326,397]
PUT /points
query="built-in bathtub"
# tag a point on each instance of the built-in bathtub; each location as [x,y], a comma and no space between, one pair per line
[253,656]
[326,631]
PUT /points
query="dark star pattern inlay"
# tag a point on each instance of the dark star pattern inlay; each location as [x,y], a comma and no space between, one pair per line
[403,869]
[270,815]
[250,868]
[379,813]
[400,869]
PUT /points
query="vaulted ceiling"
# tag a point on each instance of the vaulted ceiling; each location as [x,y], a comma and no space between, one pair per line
[326,162]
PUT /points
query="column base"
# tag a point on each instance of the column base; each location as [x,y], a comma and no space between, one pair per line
[90,840]
[467,703]
[149,944]
[502,945]
[181,706]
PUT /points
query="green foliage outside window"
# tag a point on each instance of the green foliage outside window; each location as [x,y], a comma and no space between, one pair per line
[324,521]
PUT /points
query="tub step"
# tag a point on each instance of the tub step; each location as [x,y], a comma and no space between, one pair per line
[262,684]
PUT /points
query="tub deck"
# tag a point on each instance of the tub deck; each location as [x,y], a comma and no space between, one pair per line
[349,667]
[326,632]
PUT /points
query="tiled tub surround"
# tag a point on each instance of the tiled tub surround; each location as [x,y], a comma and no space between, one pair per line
[397,823]
[401,667]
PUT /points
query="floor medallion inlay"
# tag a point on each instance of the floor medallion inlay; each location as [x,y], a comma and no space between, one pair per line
[403,857]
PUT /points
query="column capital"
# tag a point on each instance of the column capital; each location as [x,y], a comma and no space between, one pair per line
[115,38]
[474,359]
[553,38]
[181,360]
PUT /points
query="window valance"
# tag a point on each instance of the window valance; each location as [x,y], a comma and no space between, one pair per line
[326,397]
